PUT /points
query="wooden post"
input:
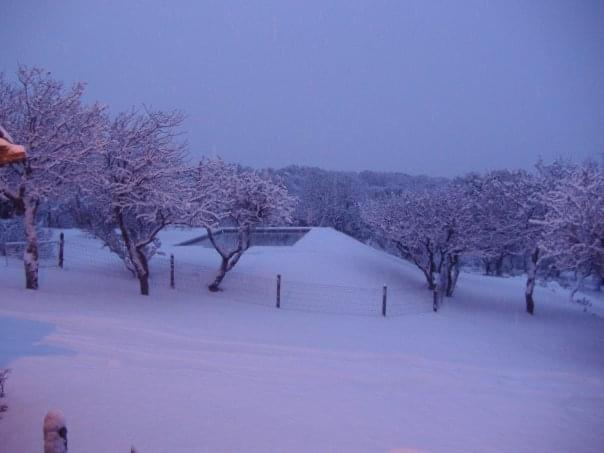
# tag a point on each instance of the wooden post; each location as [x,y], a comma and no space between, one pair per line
[435,299]
[61,249]
[384,299]
[172,271]
[55,433]
[278,290]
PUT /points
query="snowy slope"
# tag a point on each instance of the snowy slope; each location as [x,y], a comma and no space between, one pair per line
[188,371]
[322,256]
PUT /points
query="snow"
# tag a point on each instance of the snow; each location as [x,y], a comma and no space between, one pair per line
[322,256]
[191,371]
[55,434]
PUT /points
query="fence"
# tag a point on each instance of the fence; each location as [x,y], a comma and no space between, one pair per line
[276,291]
[50,253]
[280,292]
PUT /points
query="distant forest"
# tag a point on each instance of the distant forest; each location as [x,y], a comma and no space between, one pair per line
[331,198]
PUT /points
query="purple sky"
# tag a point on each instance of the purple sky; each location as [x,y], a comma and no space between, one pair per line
[434,87]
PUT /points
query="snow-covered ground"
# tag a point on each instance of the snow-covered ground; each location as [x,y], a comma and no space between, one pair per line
[189,371]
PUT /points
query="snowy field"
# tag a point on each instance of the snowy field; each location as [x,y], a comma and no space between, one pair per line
[188,371]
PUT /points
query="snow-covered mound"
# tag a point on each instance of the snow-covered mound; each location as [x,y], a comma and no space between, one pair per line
[323,256]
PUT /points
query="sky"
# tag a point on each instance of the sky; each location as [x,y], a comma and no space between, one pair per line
[416,86]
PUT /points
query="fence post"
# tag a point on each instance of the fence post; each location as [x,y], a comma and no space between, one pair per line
[172,271]
[278,290]
[61,249]
[384,300]
[55,433]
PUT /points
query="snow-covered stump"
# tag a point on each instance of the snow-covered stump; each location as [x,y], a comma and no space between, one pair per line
[55,432]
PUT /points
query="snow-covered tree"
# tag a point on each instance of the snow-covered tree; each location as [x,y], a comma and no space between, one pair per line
[137,186]
[574,222]
[209,190]
[58,131]
[326,198]
[426,227]
[508,210]
[251,199]
[496,202]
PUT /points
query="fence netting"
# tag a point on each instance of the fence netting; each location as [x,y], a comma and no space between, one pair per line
[48,253]
[237,286]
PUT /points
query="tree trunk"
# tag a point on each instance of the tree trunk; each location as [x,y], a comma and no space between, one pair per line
[215,285]
[229,260]
[452,274]
[430,281]
[599,282]
[142,271]
[530,281]
[30,256]
[429,275]
[431,269]
[499,265]
[136,254]
[487,267]
[579,277]
[144,284]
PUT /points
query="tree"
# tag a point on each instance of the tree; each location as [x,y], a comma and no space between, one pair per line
[510,209]
[532,209]
[209,191]
[137,186]
[59,131]
[250,199]
[326,198]
[574,222]
[426,228]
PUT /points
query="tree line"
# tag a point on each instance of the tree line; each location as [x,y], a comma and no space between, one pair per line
[125,177]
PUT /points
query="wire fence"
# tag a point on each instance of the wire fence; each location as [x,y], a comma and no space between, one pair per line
[273,291]
[48,253]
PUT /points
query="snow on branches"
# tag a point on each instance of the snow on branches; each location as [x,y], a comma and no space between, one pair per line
[574,223]
[426,227]
[137,186]
[249,199]
[58,131]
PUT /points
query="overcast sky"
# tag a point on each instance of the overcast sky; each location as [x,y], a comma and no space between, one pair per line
[433,87]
